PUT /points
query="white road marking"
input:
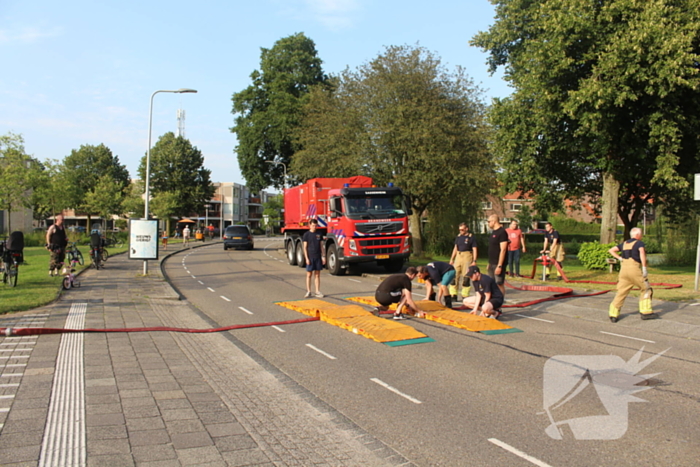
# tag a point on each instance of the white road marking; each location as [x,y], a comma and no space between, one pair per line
[10,396]
[518,452]
[326,354]
[201,282]
[394,390]
[247,311]
[14,365]
[279,329]
[18,338]
[194,277]
[227,299]
[10,375]
[694,304]
[187,271]
[532,317]
[16,350]
[627,337]
[9,385]
[210,289]
[355,280]
[14,356]
[4,409]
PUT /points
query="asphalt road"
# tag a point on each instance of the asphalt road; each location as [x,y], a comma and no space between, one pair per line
[467,398]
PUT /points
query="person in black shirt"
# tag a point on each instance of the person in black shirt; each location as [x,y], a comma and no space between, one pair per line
[397,289]
[464,254]
[487,296]
[56,242]
[556,249]
[315,258]
[441,274]
[498,250]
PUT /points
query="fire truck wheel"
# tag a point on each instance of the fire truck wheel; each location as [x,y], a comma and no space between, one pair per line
[332,262]
[291,254]
[301,260]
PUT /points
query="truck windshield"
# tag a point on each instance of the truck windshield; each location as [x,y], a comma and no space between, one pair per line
[370,207]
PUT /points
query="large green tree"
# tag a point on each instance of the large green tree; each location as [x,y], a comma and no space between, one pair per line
[401,118]
[178,167]
[84,168]
[53,191]
[605,100]
[268,111]
[17,175]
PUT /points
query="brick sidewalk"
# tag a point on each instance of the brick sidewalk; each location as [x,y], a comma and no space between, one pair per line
[161,398]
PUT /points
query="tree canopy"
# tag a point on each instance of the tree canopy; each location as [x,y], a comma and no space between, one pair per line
[17,170]
[268,111]
[401,118]
[605,100]
[178,167]
[83,169]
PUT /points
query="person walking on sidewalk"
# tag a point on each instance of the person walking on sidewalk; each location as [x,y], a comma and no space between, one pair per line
[397,289]
[315,257]
[186,235]
[633,273]
[441,274]
[464,254]
[516,242]
[498,246]
[56,242]
[556,249]
[487,296]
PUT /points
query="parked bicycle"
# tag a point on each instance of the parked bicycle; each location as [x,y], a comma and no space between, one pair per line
[73,252]
[97,250]
[114,240]
[11,256]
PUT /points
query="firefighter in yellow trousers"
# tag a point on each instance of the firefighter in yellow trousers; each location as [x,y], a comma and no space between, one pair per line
[464,254]
[633,273]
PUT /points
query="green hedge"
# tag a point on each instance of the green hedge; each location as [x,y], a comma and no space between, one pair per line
[594,255]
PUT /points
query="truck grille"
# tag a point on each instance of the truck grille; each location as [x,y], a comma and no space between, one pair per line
[379,251]
[380,242]
[388,227]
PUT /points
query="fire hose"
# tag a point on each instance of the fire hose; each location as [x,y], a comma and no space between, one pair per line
[37,331]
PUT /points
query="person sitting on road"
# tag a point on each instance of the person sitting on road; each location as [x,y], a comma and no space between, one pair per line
[487,296]
[397,289]
[441,274]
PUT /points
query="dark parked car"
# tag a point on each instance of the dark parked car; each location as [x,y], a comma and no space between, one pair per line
[238,236]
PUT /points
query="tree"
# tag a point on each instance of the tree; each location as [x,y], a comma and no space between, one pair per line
[165,205]
[605,101]
[524,218]
[178,167]
[268,111]
[106,198]
[272,209]
[16,175]
[84,168]
[133,204]
[52,192]
[401,118]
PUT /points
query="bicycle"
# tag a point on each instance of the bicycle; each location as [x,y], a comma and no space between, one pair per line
[114,240]
[73,252]
[10,265]
[96,257]
[70,278]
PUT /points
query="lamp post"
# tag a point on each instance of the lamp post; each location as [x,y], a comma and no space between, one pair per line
[284,182]
[148,158]
[206,217]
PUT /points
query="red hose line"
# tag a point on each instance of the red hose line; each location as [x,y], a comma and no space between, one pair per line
[38,331]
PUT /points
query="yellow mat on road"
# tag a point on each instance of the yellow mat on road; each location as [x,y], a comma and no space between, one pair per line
[357,320]
[440,314]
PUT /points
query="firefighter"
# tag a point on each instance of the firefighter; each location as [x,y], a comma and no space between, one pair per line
[464,254]
[556,249]
[633,273]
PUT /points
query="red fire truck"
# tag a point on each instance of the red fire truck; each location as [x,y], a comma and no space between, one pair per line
[359,222]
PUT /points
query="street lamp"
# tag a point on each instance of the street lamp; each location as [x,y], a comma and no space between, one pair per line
[206,217]
[148,157]
[284,182]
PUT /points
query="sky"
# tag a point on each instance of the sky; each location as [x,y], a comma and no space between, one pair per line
[83,72]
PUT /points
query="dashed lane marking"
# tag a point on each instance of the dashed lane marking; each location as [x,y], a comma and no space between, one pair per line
[518,452]
[247,311]
[627,337]
[201,282]
[325,354]
[227,299]
[355,280]
[532,317]
[395,391]
[279,329]
[211,290]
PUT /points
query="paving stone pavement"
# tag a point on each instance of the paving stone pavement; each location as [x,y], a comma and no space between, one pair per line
[163,398]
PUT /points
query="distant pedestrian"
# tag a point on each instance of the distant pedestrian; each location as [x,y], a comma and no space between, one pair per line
[633,273]
[464,254]
[556,248]
[397,289]
[186,235]
[315,257]
[441,274]
[56,243]
[516,243]
[177,231]
[211,231]
[498,246]
[488,296]
[164,239]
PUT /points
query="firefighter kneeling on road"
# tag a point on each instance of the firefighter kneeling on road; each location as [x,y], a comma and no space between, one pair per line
[633,273]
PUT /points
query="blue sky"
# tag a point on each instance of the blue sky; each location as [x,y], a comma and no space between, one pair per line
[82,72]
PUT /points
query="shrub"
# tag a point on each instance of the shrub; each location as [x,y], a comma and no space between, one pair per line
[593,255]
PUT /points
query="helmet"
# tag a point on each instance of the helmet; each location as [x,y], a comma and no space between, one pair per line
[94,231]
